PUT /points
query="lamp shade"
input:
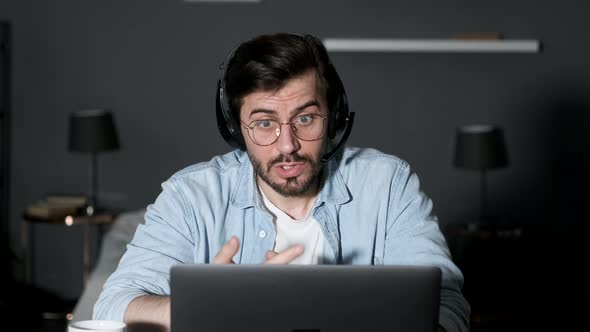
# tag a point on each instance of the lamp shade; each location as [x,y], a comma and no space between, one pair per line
[92,131]
[480,147]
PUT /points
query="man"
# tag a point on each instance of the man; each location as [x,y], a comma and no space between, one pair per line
[289,194]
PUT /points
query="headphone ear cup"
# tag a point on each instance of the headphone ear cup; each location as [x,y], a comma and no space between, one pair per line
[231,135]
[337,119]
[333,123]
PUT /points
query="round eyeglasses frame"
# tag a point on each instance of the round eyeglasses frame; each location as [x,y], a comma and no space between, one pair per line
[279,131]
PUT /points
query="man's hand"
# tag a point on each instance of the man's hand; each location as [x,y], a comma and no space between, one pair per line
[231,247]
[227,252]
[285,257]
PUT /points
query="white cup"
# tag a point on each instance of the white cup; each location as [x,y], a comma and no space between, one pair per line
[96,326]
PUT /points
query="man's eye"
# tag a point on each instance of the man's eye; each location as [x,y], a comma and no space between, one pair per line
[263,124]
[305,119]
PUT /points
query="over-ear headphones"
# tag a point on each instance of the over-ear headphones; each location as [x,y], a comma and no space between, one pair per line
[340,119]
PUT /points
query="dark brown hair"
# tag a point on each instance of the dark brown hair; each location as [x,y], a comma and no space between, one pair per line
[267,62]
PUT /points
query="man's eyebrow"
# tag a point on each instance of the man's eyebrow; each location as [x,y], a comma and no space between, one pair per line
[297,110]
[262,110]
[304,106]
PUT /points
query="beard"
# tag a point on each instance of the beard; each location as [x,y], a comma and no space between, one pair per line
[295,186]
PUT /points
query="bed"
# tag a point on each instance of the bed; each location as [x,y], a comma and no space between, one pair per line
[113,246]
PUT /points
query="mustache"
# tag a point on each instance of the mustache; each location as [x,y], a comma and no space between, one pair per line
[290,158]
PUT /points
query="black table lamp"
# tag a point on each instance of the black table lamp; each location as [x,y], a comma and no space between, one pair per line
[92,131]
[481,148]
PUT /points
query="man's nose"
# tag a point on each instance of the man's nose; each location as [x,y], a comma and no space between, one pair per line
[287,143]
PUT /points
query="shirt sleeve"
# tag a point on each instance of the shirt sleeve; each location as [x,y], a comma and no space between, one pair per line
[413,237]
[164,240]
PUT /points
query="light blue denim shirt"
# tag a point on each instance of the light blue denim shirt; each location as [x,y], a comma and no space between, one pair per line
[370,208]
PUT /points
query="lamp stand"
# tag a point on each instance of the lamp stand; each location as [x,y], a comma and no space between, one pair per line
[474,226]
[91,209]
[482,196]
[92,196]
[86,258]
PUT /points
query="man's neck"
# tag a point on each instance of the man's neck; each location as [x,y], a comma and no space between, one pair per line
[297,207]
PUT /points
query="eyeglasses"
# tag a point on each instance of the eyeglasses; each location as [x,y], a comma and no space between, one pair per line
[306,127]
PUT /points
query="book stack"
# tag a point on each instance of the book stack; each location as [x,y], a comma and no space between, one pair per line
[57,206]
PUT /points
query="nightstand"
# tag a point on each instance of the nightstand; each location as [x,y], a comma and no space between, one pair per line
[491,260]
[27,236]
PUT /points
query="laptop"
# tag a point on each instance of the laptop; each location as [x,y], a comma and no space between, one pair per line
[304,298]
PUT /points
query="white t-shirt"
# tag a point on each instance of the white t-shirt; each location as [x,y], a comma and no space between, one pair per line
[306,231]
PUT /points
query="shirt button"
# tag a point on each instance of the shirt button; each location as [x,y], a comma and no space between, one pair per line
[262,234]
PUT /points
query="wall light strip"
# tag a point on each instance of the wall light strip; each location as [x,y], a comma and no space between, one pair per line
[223,1]
[431,45]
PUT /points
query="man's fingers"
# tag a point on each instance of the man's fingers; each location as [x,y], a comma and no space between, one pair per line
[231,247]
[227,252]
[270,254]
[286,256]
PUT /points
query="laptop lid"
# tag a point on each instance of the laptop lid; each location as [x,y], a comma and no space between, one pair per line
[304,298]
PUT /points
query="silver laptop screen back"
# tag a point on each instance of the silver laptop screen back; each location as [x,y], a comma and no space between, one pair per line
[304,298]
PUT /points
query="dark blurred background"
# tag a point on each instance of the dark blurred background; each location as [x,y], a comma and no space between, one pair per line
[154,63]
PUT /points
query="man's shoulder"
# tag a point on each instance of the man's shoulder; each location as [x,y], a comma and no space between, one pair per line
[369,157]
[221,165]
[367,171]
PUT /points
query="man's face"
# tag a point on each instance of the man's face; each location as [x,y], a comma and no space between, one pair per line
[290,166]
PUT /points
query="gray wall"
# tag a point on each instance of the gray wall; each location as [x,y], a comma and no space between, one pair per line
[154,63]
